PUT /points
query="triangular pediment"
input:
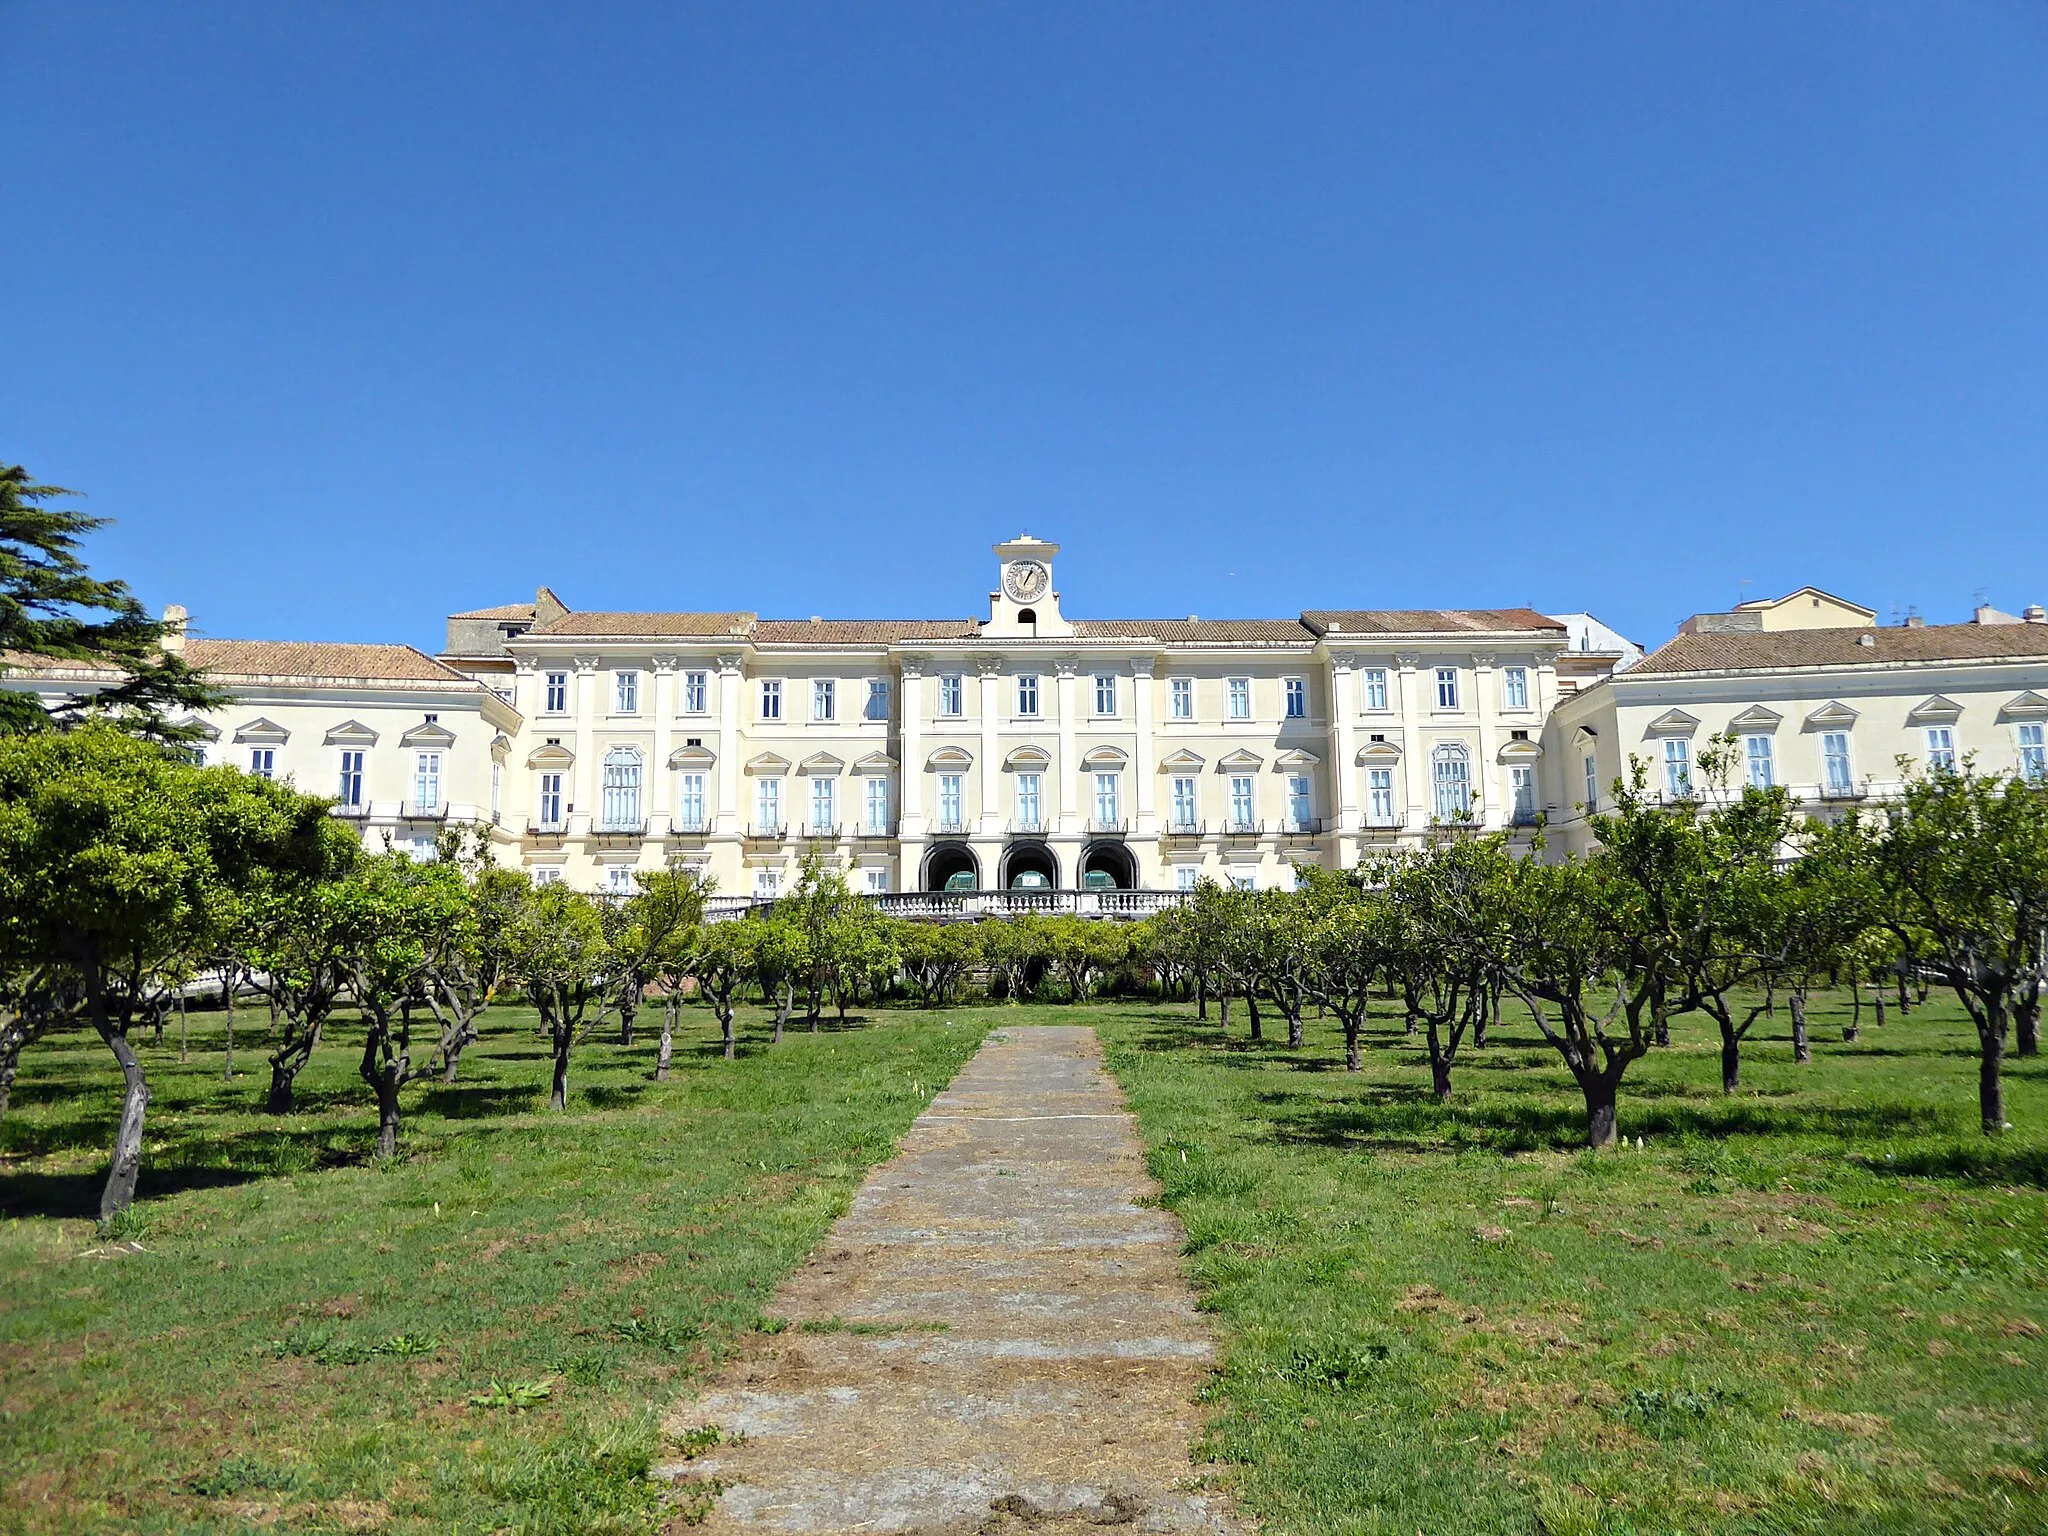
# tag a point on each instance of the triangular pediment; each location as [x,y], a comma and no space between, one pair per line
[428,734]
[351,733]
[195,725]
[823,764]
[1673,722]
[1756,718]
[262,731]
[692,757]
[768,763]
[2026,706]
[1295,757]
[1239,760]
[951,759]
[1104,757]
[1181,759]
[1831,716]
[875,762]
[553,755]
[1936,709]
[1379,753]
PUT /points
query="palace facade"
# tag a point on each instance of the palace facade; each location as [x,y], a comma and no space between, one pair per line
[1028,750]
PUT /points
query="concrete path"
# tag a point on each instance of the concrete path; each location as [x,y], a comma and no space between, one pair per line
[995,1337]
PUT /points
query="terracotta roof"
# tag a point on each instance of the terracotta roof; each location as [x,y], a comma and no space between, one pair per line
[861,631]
[651,625]
[1428,621]
[1196,631]
[502,611]
[316,658]
[1752,649]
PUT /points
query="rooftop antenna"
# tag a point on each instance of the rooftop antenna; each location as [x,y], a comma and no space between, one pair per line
[1742,591]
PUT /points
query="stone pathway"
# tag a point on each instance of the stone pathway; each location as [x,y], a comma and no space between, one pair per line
[995,1337]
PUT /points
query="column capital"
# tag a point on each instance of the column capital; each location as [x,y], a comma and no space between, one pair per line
[988,666]
[664,663]
[728,665]
[586,664]
[1067,666]
[910,666]
[1409,660]
[1143,666]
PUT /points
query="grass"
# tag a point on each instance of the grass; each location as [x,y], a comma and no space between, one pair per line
[477,1336]
[1815,1306]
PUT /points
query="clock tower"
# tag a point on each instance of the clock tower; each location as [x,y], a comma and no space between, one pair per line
[1024,602]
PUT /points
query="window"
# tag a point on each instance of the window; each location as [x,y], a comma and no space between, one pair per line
[621,789]
[1834,762]
[1592,767]
[1298,813]
[1184,803]
[1446,687]
[1240,881]
[547,874]
[351,791]
[1451,772]
[1108,810]
[1375,687]
[690,802]
[626,693]
[1379,807]
[1756,751]
[768,805]
[1522,794]
[1241,802]
[824,698]
[951,694]
[1297,699]
[558,697]
[823,808]
[771,699]
[696,693]
[952,815]
[1186,877]
[876,791]
[551,799]
[878,699]
[1677,768]
[2033,753]
[1030,806]
[1180,698]
[497,788]
[1105,693]
[263,762]
[1237,692]
[1941,748]
[1514,688]
[618,880]
[1027,693]
[767,883]
[426,780]
[875,881]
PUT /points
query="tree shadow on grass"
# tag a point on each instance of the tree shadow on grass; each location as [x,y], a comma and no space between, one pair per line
[477,1101]
[1990,1160]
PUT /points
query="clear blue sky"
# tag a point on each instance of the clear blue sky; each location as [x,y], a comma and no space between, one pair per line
[356,314]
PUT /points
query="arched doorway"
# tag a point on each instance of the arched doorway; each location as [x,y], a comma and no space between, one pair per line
[1022,861]
[1113,860]
[945,860]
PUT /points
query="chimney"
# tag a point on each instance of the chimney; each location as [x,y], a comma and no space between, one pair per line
[2034,613]
[174,621]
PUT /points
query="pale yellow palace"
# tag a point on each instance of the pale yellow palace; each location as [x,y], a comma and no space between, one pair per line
[1021,750]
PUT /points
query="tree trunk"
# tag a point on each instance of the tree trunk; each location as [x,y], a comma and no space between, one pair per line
[1354,1058]
[1877,1002]
[1600,1097]
[451,1053]
[1660,1017]
[1251,1008]
[119,1193]
[387,1112]
[1202,998]
[626,1012]
[783,1000]
[558,1094]
[1294,1034]
[1990,1086]
[10,1063]
[1731,1061]
[668,1037]
[281,1078]
[184,1051]
[1904,1006]
[1801,1051]
[227,1003]
[1440,1078]
[725,1027]
[1223,1009]
[2026,1018]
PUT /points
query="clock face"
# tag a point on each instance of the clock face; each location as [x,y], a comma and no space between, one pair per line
[1026,580]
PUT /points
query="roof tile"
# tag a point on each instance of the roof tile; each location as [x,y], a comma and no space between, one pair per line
[1751,650]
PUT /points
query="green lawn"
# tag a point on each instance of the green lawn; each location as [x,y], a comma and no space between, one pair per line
[1816,1306]
[298,1343]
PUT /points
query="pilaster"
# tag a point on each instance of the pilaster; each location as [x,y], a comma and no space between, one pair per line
[1067,771]
[1414,766]
[731,815]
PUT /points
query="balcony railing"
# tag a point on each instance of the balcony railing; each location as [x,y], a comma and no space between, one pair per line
[876,829]
[820,832]
[541,828]
[690,826]
[416,810]
[1108,828]
[620,828]
[767,831]
[1238,827]
[356,811]
[1383,823]
[968,906]
[949,826]
[1302,826]
[1180,828]
[1855,789]
[1028,826]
